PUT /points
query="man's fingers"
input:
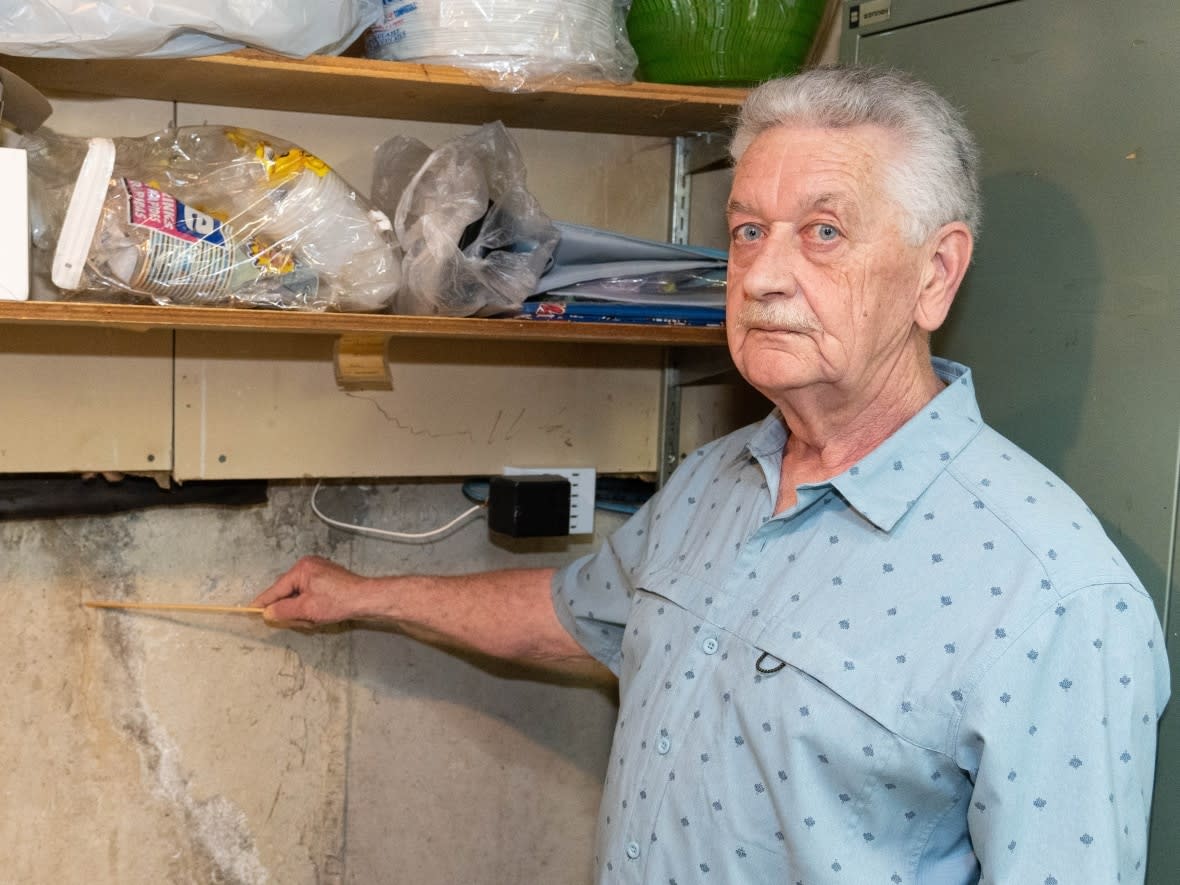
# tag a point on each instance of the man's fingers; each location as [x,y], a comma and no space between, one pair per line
[303,596]
[280,589]
[285,611]
[287,623]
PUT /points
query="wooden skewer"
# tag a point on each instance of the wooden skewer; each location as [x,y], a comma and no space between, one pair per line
[174,606]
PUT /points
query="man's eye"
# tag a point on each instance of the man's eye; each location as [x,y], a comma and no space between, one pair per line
[826,233]
[746,233]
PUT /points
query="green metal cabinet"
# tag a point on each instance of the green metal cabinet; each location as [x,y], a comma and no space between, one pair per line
[1070,315]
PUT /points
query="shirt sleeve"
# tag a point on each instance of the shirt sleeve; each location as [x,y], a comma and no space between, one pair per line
[1059,740]
[592,595]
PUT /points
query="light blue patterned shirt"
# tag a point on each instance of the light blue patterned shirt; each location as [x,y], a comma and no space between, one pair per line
[934,668]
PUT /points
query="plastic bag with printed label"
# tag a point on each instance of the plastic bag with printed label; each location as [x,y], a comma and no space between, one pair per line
[177,28]
[475,240]
[207,215]
[510,45]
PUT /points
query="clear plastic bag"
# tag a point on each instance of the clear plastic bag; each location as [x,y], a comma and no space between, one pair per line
[207,215]
[510,45]
[475,240]
[177,28]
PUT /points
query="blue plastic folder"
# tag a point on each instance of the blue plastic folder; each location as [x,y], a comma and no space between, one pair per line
[605,277]
[584,254]
[608,312]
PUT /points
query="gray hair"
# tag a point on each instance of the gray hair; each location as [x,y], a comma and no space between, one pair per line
[937,180]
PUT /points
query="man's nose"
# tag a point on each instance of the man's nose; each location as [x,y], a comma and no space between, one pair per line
[771,272]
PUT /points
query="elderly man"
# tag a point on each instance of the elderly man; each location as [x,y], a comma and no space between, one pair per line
[868,640]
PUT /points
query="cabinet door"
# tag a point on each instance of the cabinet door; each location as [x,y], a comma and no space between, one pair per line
[1069,316]
[85,400]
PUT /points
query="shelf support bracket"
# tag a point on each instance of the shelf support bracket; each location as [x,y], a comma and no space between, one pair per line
[668,454]
[360,361]
[691,155]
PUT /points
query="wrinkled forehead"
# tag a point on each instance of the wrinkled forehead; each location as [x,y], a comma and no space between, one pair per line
[830,167]
[865,146]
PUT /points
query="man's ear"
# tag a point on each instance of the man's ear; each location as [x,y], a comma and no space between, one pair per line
[950,255]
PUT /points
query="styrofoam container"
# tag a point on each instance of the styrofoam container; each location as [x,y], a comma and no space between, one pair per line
[14,225]
[562,31]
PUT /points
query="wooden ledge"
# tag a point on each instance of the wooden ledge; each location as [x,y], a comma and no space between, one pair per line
[225,319]
[387,89]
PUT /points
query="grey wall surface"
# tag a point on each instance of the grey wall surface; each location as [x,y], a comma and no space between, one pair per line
[196,748]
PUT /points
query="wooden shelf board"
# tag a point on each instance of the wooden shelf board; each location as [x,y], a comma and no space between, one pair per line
[394,90]
[143,317]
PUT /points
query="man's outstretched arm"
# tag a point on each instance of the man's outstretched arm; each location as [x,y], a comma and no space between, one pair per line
[503,614]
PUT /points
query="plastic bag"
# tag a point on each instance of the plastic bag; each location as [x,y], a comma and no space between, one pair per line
[177,28]
[208,215]
[510,45]
[475,240]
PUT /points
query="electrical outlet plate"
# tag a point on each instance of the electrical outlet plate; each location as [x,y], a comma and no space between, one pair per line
[582,481]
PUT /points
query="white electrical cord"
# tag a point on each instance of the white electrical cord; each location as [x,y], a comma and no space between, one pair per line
[385,533]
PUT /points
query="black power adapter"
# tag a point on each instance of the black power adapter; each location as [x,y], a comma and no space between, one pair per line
[529,505]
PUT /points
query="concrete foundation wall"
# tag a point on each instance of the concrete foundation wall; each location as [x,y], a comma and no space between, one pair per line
[196,748]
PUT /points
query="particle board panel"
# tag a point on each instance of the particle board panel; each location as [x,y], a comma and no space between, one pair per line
[79,400]
[267,406]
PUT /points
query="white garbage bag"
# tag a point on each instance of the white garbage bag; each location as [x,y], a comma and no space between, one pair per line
[178,28]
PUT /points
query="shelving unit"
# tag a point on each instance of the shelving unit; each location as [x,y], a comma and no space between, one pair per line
[365,87]
[362,345]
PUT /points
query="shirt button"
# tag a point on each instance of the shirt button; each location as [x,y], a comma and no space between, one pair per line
[632,850]
[709,645]
[663,745]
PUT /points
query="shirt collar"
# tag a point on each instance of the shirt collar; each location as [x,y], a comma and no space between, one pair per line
[887,482]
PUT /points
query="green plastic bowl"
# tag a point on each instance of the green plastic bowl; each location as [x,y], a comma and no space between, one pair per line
[718,43]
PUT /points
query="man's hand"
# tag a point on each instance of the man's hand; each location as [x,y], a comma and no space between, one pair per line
[314,592]
[503,614]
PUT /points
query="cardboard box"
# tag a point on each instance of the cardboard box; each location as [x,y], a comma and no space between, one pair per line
[23,108]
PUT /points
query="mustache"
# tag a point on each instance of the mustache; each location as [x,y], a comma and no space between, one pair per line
[780,315]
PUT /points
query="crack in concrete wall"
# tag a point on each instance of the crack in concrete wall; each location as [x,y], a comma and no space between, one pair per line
[219,830]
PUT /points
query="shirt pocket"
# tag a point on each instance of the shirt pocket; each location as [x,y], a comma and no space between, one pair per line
[859,674]
[865,678]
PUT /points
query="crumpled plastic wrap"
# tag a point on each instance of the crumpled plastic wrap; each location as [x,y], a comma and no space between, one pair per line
[207,215]
[475,240]
[178,28]
[510,45]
